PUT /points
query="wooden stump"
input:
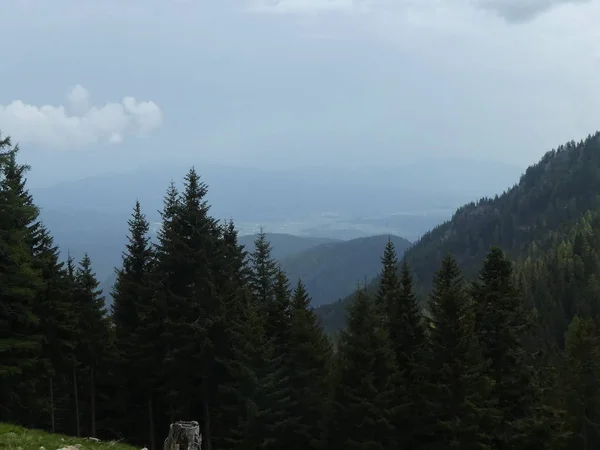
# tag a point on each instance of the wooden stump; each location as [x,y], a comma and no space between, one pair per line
[184,436]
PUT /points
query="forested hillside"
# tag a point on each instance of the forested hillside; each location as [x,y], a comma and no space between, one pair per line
[549,198]
[333,270]
[199,331]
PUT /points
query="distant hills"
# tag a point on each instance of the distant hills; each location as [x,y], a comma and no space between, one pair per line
[330,268]
[333,270]
[549,198]
[284,245]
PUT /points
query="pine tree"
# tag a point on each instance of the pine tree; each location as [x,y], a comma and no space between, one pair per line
[407,336]
[389,284]
[165,279]
[264,272]
[581,385]
[57,312]
[458,391]
[133,306]
[94,328]
[191,262]
[20,336]
[277,415]
[237,334]
[363,408]
[501,327]
[309,354]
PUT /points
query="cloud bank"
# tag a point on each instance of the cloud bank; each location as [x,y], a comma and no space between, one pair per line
[78,123]
[512,11]
[518,11]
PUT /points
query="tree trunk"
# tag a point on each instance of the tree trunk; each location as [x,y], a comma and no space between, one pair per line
[52,417]
[184,436]
[76,400]
[207,439]
[93,401]
[151,423]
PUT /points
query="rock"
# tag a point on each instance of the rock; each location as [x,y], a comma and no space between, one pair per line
[184,436]
[93,439]
[42,448]
[144,448]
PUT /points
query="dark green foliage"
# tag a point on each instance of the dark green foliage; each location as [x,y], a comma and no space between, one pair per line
[502,327]
[331,270]
[581,383]
[363,409]
[309,355]
[398,303]
[137,324]
[458,394]
[94,337]
[201,332]
[21,337]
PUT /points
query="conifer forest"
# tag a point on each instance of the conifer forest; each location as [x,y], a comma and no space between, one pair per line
[484,335]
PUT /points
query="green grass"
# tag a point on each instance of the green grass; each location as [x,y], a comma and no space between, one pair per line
[13,437]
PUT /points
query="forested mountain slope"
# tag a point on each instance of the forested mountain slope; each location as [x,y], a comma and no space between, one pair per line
[549,198]
[334,270]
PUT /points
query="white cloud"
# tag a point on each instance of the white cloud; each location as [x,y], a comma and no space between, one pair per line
[80,124]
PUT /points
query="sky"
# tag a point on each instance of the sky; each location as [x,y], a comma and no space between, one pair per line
[90,86]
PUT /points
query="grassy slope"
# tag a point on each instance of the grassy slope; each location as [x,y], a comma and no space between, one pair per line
[13,437]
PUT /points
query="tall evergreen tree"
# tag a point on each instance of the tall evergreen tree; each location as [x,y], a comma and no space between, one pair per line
[20,281]
[94,328]
[133,314]
[501,327]
[264,272]
[406,336]
[458,393]
[581,384]
[389,284]
[309,355]
[363,409]
[57,312]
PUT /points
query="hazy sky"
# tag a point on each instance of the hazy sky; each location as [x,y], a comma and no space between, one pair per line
[99,85]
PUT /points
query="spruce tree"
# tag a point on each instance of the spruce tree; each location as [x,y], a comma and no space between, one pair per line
[57,312]
[94,326]
[21,340]
[389,284]
[133,315]
[165,279]
[309,354]
[501,327]
[264,272]
[407,336]
[458,392]
[278,413]
[363,409]
[581,385]
[237,335]
[189,258]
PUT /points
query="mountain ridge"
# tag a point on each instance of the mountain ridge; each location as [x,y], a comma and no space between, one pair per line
[551,195]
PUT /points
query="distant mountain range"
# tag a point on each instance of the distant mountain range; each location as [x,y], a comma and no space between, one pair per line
[285,245]
[330,269]
[90,215]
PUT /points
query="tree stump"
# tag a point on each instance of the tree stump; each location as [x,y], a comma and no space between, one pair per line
[184,436]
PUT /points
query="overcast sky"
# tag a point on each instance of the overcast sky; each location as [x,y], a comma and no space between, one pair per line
[99,85]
